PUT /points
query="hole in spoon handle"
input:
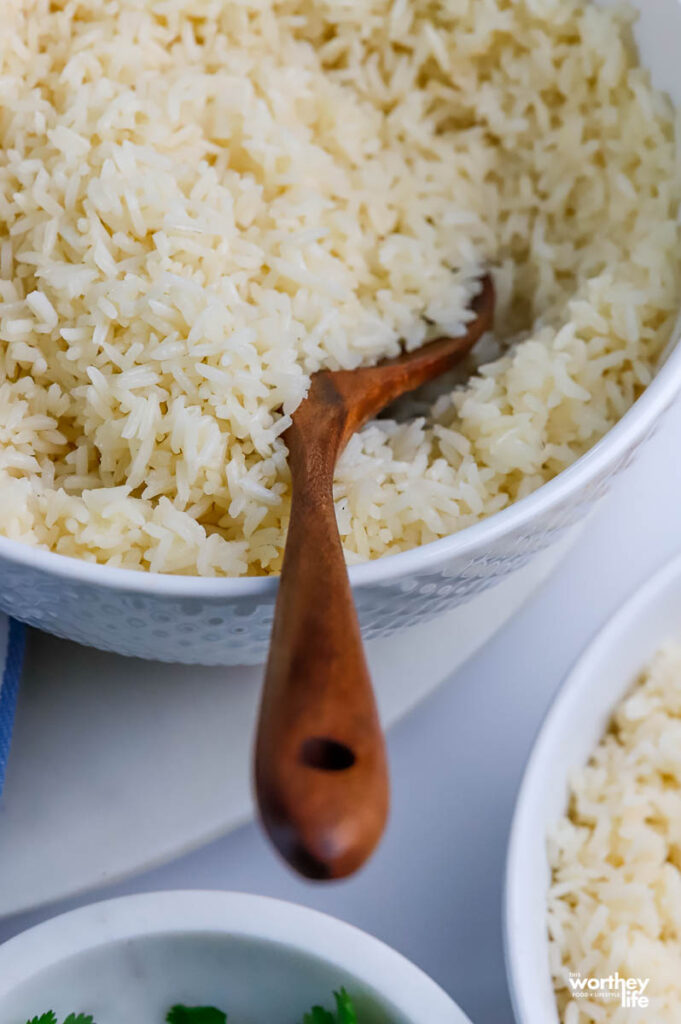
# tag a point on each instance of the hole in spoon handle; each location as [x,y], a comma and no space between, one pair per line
[326,755]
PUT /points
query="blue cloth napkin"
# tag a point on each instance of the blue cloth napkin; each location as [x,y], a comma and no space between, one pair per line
[12,637]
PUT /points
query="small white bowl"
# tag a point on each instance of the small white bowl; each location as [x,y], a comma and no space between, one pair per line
[259,960]
[571,731]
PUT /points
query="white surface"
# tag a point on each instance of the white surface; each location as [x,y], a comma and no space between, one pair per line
[118,765]
[131,959]
[433,890]
[606,670]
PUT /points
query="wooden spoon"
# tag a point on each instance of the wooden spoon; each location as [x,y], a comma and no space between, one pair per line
[321,770]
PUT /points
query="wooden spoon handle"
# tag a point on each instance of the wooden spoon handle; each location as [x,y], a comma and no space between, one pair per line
[321,770]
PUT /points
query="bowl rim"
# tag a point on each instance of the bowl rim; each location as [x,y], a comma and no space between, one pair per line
[573,690]
[300,928]
[635,422]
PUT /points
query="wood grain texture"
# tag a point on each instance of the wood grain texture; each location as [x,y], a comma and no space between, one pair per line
[321,770]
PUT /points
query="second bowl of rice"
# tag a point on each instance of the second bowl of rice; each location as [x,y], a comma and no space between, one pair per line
[592,927]
[203,204]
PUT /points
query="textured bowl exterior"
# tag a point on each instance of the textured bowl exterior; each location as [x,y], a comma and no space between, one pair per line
[228,621]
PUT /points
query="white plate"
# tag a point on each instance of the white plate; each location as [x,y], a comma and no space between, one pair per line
[118,764]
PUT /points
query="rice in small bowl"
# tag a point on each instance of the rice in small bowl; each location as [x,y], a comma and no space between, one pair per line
[615,857]
[592,927]
[202,204]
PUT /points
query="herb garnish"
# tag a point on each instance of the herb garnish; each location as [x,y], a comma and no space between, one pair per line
[345,1014]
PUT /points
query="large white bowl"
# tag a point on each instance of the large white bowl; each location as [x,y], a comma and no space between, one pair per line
[486,571]
[260,960]
[573,727]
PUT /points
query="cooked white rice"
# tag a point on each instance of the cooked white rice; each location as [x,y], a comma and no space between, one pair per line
[203,202]
[615,901]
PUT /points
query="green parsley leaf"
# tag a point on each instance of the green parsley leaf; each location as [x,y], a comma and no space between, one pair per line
[345,1012]
[195,1015]
[73,1018]
[318,1015]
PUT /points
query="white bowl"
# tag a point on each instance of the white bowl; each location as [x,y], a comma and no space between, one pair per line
[486,571]
[259,960]
[572,729]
